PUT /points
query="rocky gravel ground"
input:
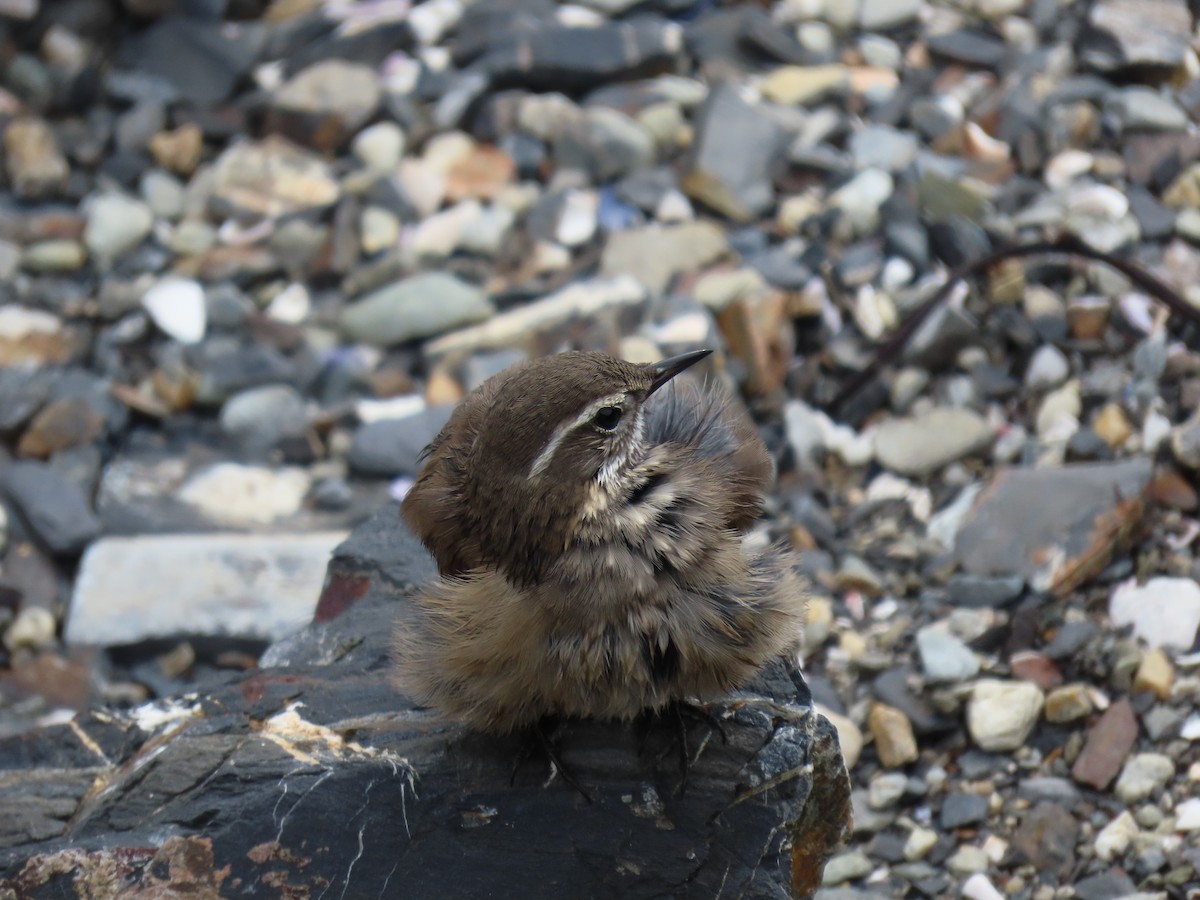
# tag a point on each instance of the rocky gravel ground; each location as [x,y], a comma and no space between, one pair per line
[251,254]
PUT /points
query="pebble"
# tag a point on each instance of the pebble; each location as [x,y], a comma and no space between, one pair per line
[1001,714]
[1115,837]
[262,417]
[115,225]
[729,167]
[919,843]
[893,734]
[178,307]
[1143,775]
[35,164]
[656,254]
[380,147]
[886,789]
[925,443]
[427,304]
[1155,674]
[1068,703]
[1164,612]
[967,860]
[261,587]
[944,657]
[1047,369]
[847,866]
[239,495]
[1187,815]
[33,629]
[959,810]
[55,507]
[978,887]
[392,447]
[1107,745]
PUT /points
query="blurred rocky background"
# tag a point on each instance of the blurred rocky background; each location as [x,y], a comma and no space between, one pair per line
[251,254]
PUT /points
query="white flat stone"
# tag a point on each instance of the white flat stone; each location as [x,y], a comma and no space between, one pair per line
[262,587]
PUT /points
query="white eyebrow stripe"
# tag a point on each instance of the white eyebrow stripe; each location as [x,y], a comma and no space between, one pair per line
[547,455]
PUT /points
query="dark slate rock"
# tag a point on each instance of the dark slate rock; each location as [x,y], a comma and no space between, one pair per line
[733,156]
[246,783]
[204,61]
[780,267]
[55,508]
[1156,221]
[960,809]
[1070,638]
[393,446]
[981,591]
[760,34]
[1087,446]
[22,393]
[975,764]
[965,45]
[957,240]
[893,687]
[565,58]
[940,338]
[909,239]
[646,187]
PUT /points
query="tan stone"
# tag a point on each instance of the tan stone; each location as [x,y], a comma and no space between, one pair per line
[1068,703]
[1155,674]
[178,150]
[1112,425]
[893,734]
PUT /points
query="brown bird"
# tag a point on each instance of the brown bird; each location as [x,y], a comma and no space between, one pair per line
[588,527]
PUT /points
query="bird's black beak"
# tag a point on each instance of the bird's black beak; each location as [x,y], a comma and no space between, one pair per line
[667,369]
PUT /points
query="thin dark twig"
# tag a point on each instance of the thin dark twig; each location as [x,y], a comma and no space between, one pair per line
[1068,244]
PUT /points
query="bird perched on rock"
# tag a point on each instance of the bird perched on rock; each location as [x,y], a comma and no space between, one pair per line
[588,526]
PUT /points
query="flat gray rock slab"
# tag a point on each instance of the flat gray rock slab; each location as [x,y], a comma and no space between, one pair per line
[262,587]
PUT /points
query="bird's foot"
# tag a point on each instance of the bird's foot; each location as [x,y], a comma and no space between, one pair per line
[545,736]
[678,714]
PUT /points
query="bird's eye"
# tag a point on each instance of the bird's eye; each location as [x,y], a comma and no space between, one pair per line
[607,417]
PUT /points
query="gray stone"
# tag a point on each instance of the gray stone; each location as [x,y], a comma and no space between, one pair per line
[262,587]
[731,162]
[55,508]
[115,225]
[1144,109]
[983,591]
[1048,368]
[882,147]
[421,306]
[924,443]
[959,809]
[1001,714]
[880,15]
[657,253]
[262,417]
[847,866]
[944,657]
[1012,531]
[393,447]
[1142,775]
[1131,33]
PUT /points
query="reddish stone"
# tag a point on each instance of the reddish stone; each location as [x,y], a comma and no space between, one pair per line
[1108,744]
[1031,666]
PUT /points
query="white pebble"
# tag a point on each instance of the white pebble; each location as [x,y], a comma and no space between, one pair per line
[177,307]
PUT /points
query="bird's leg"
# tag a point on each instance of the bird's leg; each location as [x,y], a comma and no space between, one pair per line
[544,735]
[679,713]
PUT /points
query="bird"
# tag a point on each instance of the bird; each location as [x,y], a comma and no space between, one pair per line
[588,518]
